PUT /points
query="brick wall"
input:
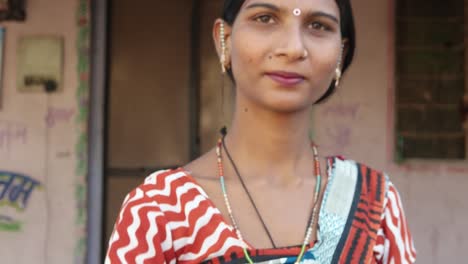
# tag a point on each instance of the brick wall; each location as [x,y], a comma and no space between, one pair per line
[430,71]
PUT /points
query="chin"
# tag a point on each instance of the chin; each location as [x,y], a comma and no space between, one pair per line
[289,106]
[298,100]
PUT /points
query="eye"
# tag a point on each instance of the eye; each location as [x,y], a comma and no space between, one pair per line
[318,26]
[265,19]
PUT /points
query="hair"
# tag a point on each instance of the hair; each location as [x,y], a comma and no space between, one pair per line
[231,9]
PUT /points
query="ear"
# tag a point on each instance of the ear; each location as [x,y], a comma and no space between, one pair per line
[227,38]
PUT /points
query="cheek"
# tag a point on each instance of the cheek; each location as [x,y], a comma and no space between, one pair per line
[325,60]
[247,50]
[243,65]
[244,55]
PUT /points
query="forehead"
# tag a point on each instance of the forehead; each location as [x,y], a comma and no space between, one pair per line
[329,6]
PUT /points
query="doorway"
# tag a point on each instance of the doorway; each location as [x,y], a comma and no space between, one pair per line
[164,92]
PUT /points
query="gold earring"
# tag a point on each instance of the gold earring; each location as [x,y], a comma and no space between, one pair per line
[338,68]
[223,48]
[337,77]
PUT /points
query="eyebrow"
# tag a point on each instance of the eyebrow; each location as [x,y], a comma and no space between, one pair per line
[265,5]
[276,8]
[323,14]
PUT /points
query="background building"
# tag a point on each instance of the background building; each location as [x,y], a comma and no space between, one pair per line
[147,94]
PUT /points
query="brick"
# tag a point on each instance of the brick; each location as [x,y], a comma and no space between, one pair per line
[429,91]
[430,67]
[429,119]
[415,91]
[415,120]
[433,148]
[420,148]
[428,32]
[430,62]
[446,120]
[452,148]
[449,92]
[434,8]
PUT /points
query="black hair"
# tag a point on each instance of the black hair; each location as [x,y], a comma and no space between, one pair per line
[231,9]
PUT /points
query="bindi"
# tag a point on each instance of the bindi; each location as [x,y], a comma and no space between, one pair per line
[297,11]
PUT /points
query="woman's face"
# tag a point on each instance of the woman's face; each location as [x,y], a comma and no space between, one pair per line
[282,61]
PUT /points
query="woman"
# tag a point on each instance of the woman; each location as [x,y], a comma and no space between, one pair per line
[259,195]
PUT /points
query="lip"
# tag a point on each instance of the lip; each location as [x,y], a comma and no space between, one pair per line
[286,78]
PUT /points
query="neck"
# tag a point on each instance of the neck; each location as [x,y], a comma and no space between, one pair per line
[271,146]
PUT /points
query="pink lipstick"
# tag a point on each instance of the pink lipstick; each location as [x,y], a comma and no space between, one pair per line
[286,78]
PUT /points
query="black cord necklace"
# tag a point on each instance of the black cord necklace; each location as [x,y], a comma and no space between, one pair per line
[223,132]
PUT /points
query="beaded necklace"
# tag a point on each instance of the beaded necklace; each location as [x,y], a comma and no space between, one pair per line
[312,219]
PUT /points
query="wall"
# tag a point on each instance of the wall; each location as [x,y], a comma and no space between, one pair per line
[358,122]
[53,219]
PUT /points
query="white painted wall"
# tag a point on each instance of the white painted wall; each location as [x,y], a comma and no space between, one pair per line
[46,152]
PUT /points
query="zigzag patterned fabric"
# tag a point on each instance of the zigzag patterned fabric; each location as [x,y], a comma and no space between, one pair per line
[170,219]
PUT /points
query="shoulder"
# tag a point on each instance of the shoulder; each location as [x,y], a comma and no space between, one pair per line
[371,182]
[349,166]
[375,207]
[164,187]
[151,212]
[164,192]
[142,221]
[204,167]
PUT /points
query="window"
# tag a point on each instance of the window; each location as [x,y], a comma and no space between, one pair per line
[430,78]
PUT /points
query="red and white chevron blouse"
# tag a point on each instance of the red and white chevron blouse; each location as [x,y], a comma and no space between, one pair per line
[170,219]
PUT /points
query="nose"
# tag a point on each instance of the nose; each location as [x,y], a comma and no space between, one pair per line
[292,45]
